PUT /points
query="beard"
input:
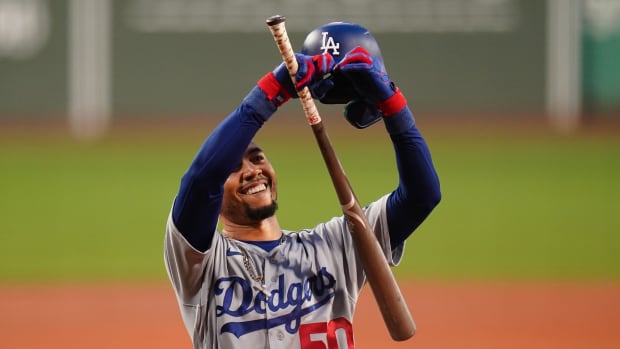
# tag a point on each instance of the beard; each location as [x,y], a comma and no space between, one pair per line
[260,213]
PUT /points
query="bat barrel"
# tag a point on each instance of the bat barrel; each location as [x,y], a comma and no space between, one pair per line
[392,305]
[387,294]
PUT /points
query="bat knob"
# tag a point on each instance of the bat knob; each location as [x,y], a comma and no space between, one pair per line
[275,20]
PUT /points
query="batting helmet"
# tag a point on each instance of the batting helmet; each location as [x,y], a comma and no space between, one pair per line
[338,38]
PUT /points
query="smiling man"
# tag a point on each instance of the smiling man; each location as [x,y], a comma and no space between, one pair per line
[249,202]
[254,284]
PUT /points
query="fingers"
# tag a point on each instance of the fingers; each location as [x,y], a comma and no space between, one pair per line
[320,89]
[357,58]
[324,63]
[305,71]
[312,68]
[367,76]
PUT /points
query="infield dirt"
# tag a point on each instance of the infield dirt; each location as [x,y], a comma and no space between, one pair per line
[448,315]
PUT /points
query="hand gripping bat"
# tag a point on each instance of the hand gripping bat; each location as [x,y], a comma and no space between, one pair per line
[387,294]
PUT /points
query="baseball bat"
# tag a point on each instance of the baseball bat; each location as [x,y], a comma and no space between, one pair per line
[386,291]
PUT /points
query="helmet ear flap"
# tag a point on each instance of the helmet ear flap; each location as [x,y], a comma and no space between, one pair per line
[361,114]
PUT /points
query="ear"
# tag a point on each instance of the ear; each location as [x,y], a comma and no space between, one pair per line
[361,114]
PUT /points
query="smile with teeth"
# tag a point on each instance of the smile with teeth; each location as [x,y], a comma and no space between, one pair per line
[255,189]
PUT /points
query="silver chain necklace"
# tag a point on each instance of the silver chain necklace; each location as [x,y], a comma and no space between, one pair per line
[249,267]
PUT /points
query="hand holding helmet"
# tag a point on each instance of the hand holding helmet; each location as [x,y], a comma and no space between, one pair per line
[371,81]
[278,87]
[367,75]
[338,39]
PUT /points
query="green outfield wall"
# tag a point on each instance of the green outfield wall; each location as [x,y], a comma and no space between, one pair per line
[601,60]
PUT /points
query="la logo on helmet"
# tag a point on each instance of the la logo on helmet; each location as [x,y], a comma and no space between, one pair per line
[329,44]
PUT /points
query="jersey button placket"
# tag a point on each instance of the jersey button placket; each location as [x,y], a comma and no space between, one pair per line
[271,278]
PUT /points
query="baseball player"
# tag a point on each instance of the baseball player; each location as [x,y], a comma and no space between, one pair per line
[253,284]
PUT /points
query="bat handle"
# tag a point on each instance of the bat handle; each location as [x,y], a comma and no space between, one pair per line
[278,30]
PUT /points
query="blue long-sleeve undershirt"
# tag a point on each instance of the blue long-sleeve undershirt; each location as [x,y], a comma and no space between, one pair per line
[198,203]
[418,190]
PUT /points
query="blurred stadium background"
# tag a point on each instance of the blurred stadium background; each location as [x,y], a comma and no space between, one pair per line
[104,102]
[98,60]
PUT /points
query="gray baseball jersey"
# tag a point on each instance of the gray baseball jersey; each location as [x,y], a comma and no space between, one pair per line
[309,287]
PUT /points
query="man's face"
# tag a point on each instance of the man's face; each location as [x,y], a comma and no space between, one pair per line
[250,191]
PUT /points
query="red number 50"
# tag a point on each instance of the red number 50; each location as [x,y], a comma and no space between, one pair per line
[336,334]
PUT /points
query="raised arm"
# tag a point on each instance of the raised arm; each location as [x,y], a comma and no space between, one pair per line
[418,190]
[198,203]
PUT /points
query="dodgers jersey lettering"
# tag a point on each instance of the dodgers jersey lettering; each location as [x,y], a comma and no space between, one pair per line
[311,284]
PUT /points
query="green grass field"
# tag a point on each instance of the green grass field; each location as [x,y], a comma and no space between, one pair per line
[541,207]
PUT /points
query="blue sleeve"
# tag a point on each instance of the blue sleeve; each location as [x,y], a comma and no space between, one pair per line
[198,203]
[418,189]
